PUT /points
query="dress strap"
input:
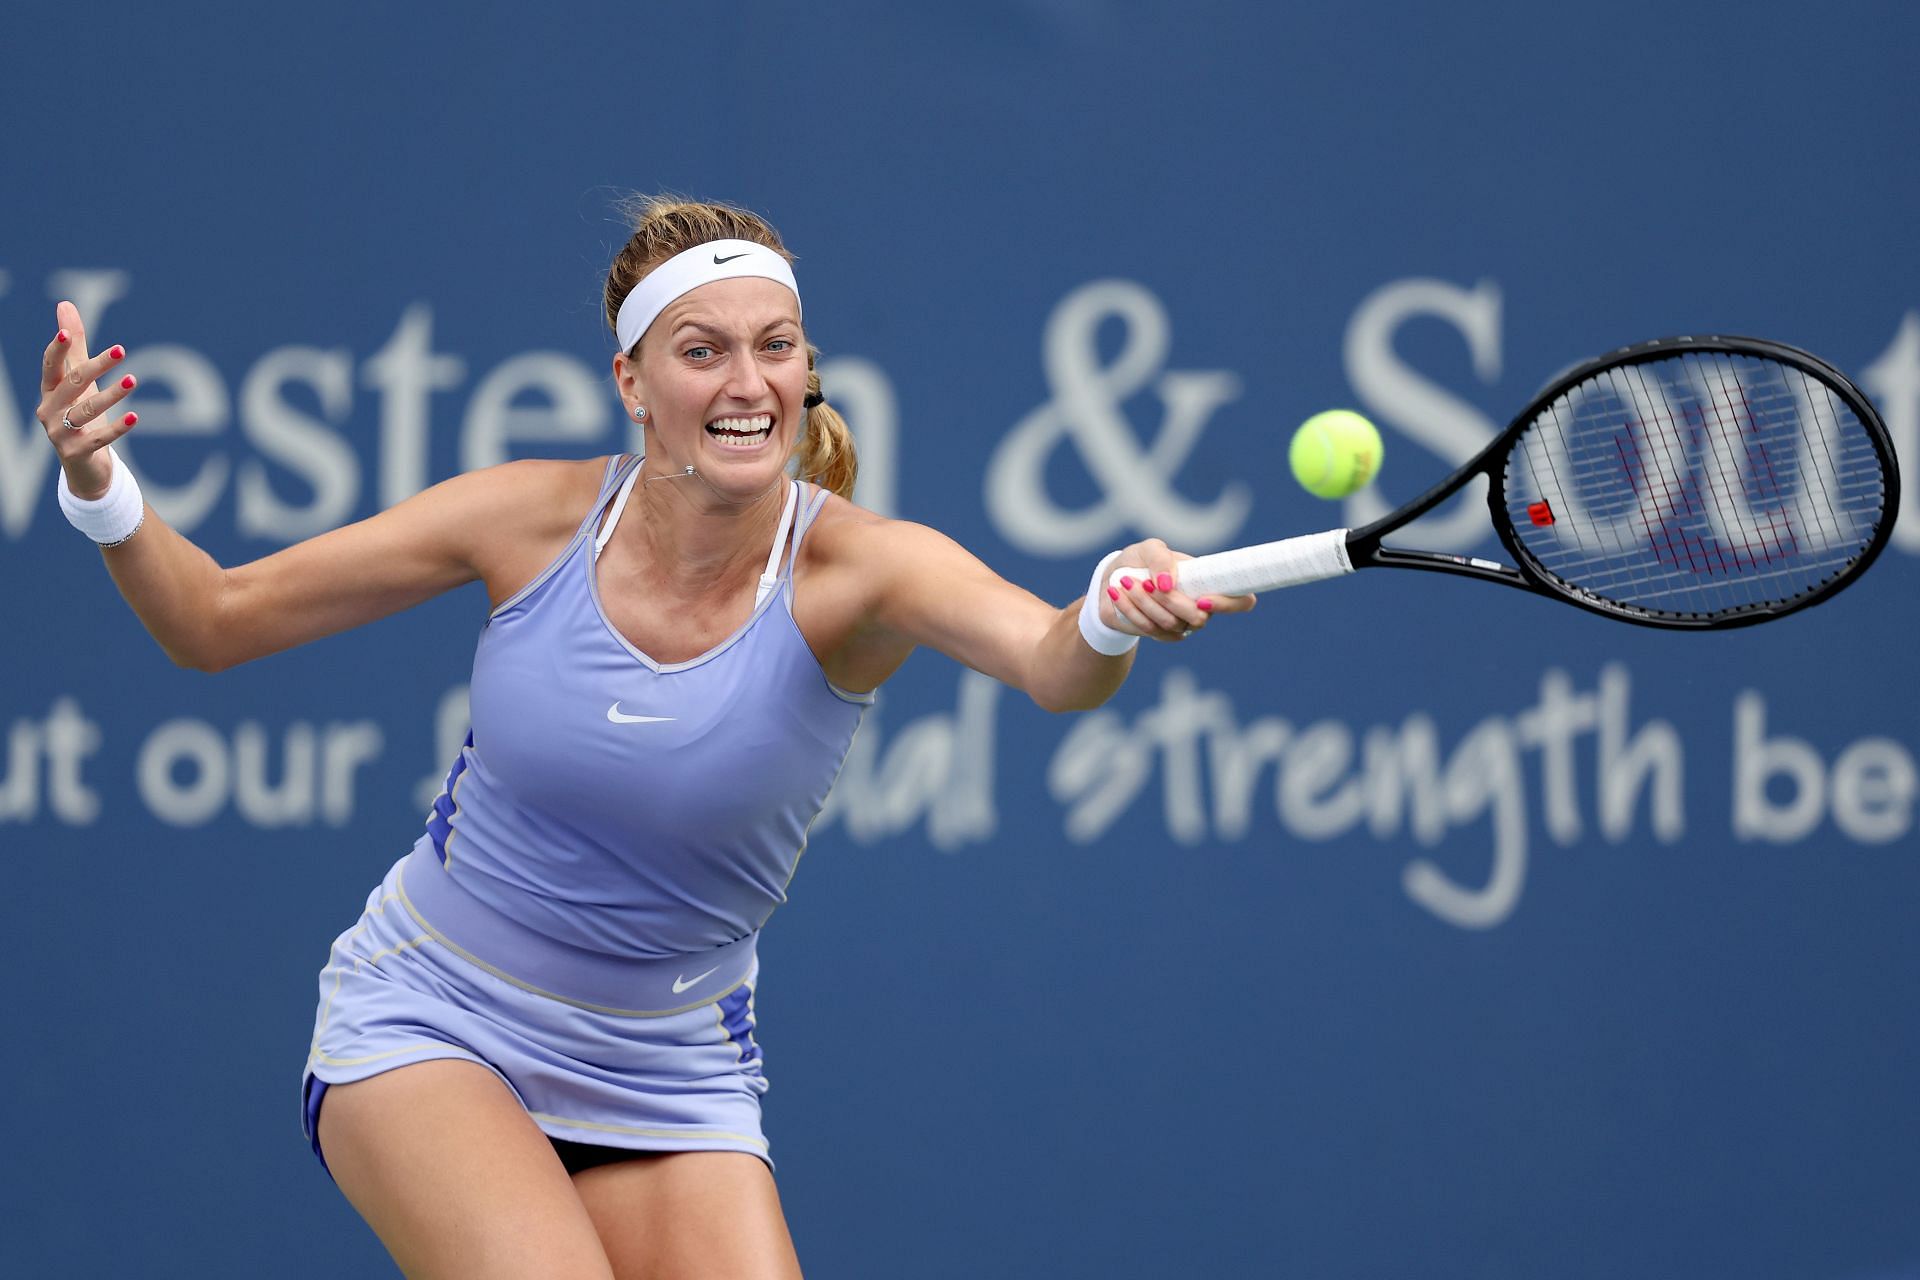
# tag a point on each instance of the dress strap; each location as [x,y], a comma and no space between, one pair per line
[771,578]
[610,472]
[613,517]
[814,504]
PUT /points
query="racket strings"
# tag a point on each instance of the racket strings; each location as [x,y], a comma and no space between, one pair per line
[1705,561]
[1699,560]
[1701,484]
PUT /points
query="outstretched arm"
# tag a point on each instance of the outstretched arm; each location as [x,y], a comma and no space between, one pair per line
[932,591]
[210,618]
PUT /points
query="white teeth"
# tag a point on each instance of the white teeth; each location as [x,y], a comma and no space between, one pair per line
[743,426]
[741,433]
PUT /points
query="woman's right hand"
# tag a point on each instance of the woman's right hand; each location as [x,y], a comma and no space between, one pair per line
[70,393]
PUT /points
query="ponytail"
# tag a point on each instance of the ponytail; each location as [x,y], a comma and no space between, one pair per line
[825,454]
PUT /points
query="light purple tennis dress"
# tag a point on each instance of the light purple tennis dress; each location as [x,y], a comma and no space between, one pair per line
[581,912]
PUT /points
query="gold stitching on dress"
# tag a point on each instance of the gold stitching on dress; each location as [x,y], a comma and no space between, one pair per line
[649,1133]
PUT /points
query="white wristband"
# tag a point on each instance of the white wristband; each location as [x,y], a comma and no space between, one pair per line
[1100,637]
[115,515]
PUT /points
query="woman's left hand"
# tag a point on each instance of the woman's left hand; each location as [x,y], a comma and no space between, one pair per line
[1154,606]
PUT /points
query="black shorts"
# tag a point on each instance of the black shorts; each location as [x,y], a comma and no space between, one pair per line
[586,1155]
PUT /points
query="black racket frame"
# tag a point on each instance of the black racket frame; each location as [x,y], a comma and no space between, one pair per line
[1365,549]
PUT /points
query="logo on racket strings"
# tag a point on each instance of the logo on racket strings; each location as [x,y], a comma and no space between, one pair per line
[1717,464]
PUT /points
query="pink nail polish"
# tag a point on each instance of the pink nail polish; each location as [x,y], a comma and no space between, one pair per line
[118,353]
[1127,583]
[61,337]
[1205,604]
[1147,586]
[126,383]
[1112,594]
[1166,582]
[132,418]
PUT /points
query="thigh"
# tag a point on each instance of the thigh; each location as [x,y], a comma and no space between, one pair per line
[690,1215]
[447,1168]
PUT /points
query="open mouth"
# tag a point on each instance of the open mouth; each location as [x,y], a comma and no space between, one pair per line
[741,433]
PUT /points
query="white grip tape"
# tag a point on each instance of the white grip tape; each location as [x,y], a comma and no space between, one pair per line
[1266,567]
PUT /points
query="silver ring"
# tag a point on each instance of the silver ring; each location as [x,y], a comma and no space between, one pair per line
[69,423]
[1185,632]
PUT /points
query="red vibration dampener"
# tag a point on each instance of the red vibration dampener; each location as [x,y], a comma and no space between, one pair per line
[1540,513]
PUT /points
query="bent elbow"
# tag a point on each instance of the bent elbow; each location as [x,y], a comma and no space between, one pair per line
[188,660]
[207,646]
[1049,701]
[204,656]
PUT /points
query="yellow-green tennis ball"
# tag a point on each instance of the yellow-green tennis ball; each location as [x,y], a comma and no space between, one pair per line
[1335,453]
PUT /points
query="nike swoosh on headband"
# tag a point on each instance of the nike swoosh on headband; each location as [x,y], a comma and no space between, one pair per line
[620,717]
[725,259]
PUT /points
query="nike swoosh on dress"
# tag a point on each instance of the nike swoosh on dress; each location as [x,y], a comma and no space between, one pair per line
[681,984]
[620,717]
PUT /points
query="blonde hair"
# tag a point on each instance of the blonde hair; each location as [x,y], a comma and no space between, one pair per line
[667,225]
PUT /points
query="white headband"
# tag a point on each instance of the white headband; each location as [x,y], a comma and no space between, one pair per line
[685,272]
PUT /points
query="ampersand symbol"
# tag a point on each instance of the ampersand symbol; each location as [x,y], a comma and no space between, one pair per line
[1087,405]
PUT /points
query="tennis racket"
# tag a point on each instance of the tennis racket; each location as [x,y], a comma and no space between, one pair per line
[1692,482]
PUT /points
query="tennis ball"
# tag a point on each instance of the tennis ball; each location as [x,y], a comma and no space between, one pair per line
[1335,453]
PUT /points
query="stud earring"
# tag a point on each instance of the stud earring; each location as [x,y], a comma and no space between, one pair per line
[639,413]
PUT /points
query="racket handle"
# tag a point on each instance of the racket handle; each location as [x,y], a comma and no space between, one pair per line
[1266,567]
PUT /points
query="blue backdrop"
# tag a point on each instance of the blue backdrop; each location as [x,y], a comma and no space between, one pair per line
[1406,927]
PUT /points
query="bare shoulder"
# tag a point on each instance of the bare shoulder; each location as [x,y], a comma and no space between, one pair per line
[848,536]
[840,530]
[533,507]
[869,564]
[537,492]
[871,589]
[848,565]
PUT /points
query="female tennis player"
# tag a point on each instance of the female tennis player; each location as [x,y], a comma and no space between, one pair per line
[534,1053]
